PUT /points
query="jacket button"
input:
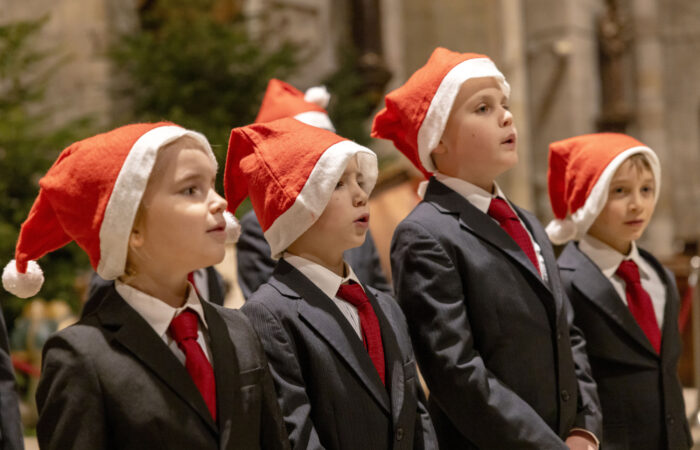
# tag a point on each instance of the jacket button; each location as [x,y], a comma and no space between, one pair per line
[565,395]
[399,434]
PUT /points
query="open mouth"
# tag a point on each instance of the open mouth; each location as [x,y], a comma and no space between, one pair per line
[510,139]
[364,219]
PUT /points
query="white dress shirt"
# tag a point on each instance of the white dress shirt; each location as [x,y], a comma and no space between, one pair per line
[159,314]
[329,282]
[481,200]
[608,260]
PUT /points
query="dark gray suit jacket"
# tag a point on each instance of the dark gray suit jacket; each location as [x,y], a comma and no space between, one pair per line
[494,342]
[109,382]
[10,423]
[255,264]
[639,390]
[329,390]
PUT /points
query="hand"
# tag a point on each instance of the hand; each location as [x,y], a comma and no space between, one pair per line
[581,442]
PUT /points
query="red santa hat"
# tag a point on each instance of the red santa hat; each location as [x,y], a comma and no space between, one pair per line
[289,169]
[580,171]
[416,113]
[284,100]
[91,195]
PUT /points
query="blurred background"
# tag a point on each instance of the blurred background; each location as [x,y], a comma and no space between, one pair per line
[73,68]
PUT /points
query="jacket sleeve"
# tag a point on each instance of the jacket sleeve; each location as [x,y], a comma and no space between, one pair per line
[69,400]
[286,374]
[478,404]
[589,415]
[10,423]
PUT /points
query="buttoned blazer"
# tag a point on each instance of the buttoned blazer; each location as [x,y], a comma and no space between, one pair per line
[255,264]
[640,393]
[331,394]
[494,342]
[109,382]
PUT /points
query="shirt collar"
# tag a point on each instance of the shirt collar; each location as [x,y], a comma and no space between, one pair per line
[607,258]
[475,195]
[323,278]
[156,312]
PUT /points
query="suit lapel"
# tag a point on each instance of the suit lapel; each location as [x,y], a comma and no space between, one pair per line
[671,308]
[321,314]
[480,224]
[226,372]
[595,287]
[393,361]
[137,336]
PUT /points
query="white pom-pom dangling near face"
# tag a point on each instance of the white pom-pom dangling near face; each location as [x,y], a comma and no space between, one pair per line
[233,228]
[23,285]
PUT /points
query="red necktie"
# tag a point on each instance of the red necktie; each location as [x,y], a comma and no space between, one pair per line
[639,302]
[183,329]
[499,210]
[371,334]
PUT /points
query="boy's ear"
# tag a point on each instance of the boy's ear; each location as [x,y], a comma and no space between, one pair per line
[440,149]
[135,239]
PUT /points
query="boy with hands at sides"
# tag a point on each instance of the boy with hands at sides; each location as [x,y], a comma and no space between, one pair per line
[603,189]
[476,276]
[339,350]
[153,366]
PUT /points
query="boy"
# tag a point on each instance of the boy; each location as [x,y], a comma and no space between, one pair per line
[339,350]
[255,265]
[488,319]
[603,189]
[152,366]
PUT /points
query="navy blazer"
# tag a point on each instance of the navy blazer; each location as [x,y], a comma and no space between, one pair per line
[640,394]
[109,382]
[331,394]
[11,436]
[255,264]
[494,342]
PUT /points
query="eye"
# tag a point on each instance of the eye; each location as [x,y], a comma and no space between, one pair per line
[506,107]
[340,184]
[190,190]
[648,189]
[482,108]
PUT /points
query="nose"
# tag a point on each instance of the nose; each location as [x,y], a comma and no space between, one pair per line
[217,203]
[635,201]
[360,197]
[507,118]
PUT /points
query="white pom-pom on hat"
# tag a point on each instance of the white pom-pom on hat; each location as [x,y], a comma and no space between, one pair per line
[561,231]
[318,95]
[233,228]
[23,285]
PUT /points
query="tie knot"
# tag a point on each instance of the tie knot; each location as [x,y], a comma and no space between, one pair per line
[499,210]
[628,271]
[353,294]
[184,326]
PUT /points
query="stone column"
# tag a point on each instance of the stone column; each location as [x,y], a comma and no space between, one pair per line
[650,118]
[517,181]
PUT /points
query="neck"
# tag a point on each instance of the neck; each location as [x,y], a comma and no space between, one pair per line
[169,288]
[334,263]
